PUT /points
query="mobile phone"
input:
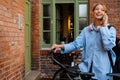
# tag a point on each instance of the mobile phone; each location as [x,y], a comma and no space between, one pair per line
[103,19]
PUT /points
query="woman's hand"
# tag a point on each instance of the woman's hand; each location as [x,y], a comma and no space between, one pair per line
[57,47]
[105,19]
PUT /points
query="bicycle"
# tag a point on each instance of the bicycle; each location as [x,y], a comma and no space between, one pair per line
[116,76]
[69,73]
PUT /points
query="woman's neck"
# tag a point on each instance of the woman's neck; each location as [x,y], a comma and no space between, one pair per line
[97,23]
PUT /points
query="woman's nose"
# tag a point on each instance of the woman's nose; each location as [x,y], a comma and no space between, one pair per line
[99,10]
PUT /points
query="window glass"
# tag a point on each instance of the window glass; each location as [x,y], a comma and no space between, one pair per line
[83,16]
[82,23]
[46,24]
[58,24]
[57,37]
[46,37]
[46,10]
[83,10]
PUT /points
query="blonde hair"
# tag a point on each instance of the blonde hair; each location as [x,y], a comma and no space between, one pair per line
[104,7]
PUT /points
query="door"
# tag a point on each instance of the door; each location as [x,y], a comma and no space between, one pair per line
[27,36]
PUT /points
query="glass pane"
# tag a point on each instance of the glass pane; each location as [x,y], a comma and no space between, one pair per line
[57,25]
[57,31]
[57,37]
[46,37]
[46,10]
[83,10]
[46,24]
[82,23]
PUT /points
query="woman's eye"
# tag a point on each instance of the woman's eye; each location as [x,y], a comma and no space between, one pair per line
[99,9]
[103,10]
[96,9]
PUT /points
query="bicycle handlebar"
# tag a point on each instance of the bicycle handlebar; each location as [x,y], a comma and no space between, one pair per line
[86,73]
[64,67]
[114,74]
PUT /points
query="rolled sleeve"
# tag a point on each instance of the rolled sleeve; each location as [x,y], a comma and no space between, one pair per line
[68,48]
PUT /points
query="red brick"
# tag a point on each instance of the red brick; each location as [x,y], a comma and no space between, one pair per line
[11,53]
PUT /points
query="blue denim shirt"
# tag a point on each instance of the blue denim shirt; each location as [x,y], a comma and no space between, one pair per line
[95,45]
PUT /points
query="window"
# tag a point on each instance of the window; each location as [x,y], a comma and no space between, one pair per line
[46,24]
[83,16]
[62,20]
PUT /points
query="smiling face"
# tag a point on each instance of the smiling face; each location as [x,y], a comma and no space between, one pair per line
[98,11]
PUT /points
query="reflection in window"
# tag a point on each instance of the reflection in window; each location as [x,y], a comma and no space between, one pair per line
[83,10]
[46,37]
[82,23]
[46,10]
[46,24]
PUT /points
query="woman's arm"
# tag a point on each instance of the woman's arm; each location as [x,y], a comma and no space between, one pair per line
[76,44]
[108,37]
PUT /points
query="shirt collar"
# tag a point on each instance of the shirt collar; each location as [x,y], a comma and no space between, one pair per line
[93,27]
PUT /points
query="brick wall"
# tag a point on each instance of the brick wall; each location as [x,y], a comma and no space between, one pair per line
[11,40]
[48,68]
[36,34]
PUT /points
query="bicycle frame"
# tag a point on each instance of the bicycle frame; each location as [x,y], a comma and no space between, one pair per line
[71,74]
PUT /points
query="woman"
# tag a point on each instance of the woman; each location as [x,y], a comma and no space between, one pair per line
[95,39]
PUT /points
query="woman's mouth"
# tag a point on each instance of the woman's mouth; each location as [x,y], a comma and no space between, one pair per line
[99,16]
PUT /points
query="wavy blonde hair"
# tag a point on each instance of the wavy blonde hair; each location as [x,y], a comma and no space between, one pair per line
[104,7]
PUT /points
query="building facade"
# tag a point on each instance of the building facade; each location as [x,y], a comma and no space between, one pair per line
[28,28]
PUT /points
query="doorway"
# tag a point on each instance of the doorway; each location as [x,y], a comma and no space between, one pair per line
[64,22]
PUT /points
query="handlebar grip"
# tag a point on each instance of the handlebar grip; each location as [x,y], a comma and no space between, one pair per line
[87,73]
